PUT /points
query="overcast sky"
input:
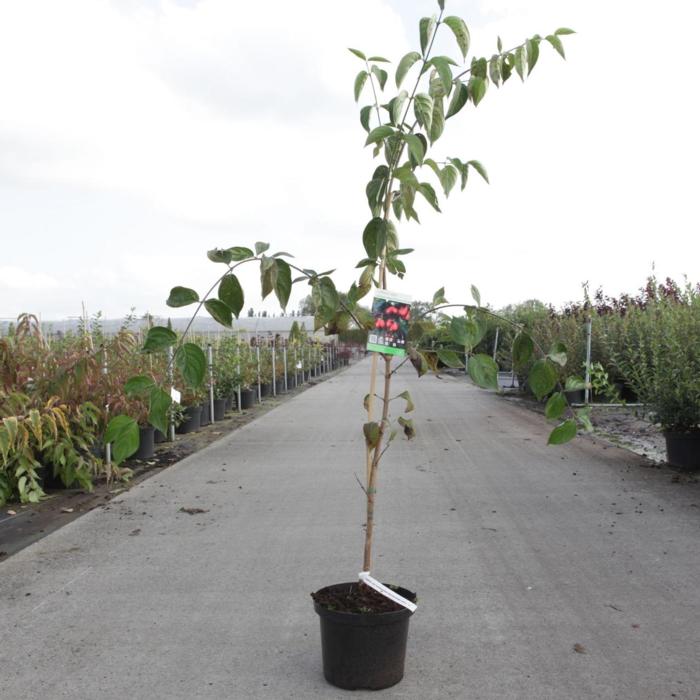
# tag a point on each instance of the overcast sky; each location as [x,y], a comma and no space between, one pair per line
[137,134]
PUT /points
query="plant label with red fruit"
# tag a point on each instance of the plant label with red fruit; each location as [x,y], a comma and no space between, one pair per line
[391,312]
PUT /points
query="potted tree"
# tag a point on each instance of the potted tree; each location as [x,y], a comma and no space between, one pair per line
[659,359]
[364,623]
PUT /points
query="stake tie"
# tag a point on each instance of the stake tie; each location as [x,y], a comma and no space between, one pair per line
[387,592]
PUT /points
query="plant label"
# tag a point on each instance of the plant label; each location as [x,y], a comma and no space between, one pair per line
[175,395]
[391,312]
[387,592]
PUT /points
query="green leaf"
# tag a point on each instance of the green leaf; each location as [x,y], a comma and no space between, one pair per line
[466,332]
[405,65]
[423,109]
[459,99]
[542,378]
[449,358]
[563,31]
[484,371]
[476,295]
[448,178]
[523,348]
[442,66]
[357,53]
[360,81]
[408,429]
[426,189]
[563,433]
[159,404]
[556,405]
[499,44]
[379,59]
[159,338]
[261,247]
[231,293]
[371,432]
[533,53]
[268,275]
[461,32]
[495,70]
[397,105]
[365,114]
[192,364]
[520,62]
[283,282]
[426,28]
[479,169]
[409,401]
[239,253]
[219,255]
[555,41]
[439,297]
[182,296]
[374,237]
[376,135]
[558,354]
[138,386]
[219,312]
[381,76]
[437,124]
[123,433]
[574,384]
[583,415]
[415,147]
[477,89]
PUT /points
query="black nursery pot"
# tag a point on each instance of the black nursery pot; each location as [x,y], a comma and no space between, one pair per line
[279,386]
[219,409]
[159,437]
[192,418]
[205,418]
[146,443]
[363,651]
[247,398]
[683,450]
[265,389]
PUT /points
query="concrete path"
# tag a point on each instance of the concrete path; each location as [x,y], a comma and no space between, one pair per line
[518,553]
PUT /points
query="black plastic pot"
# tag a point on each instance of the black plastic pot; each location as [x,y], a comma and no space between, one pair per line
[247,398]
[205,418]
[219,409]
[191,423]
[146,443]
[291,381]
[575,396]
[233,401]
[363,650]
[159,437]
[683,450]
[279,386]
[265,389]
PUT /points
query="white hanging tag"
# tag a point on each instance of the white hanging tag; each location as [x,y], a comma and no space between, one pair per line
[387,592]
[175,395]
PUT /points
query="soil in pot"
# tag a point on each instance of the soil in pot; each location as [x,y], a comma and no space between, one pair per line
[362,649]
[683,450]
[146,443]
[247,398]
[219,409]
[191,423]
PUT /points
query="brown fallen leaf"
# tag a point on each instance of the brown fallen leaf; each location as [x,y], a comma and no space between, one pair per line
[579,649]
[193,511]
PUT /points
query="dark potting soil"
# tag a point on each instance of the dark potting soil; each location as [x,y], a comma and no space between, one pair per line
[358,599]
